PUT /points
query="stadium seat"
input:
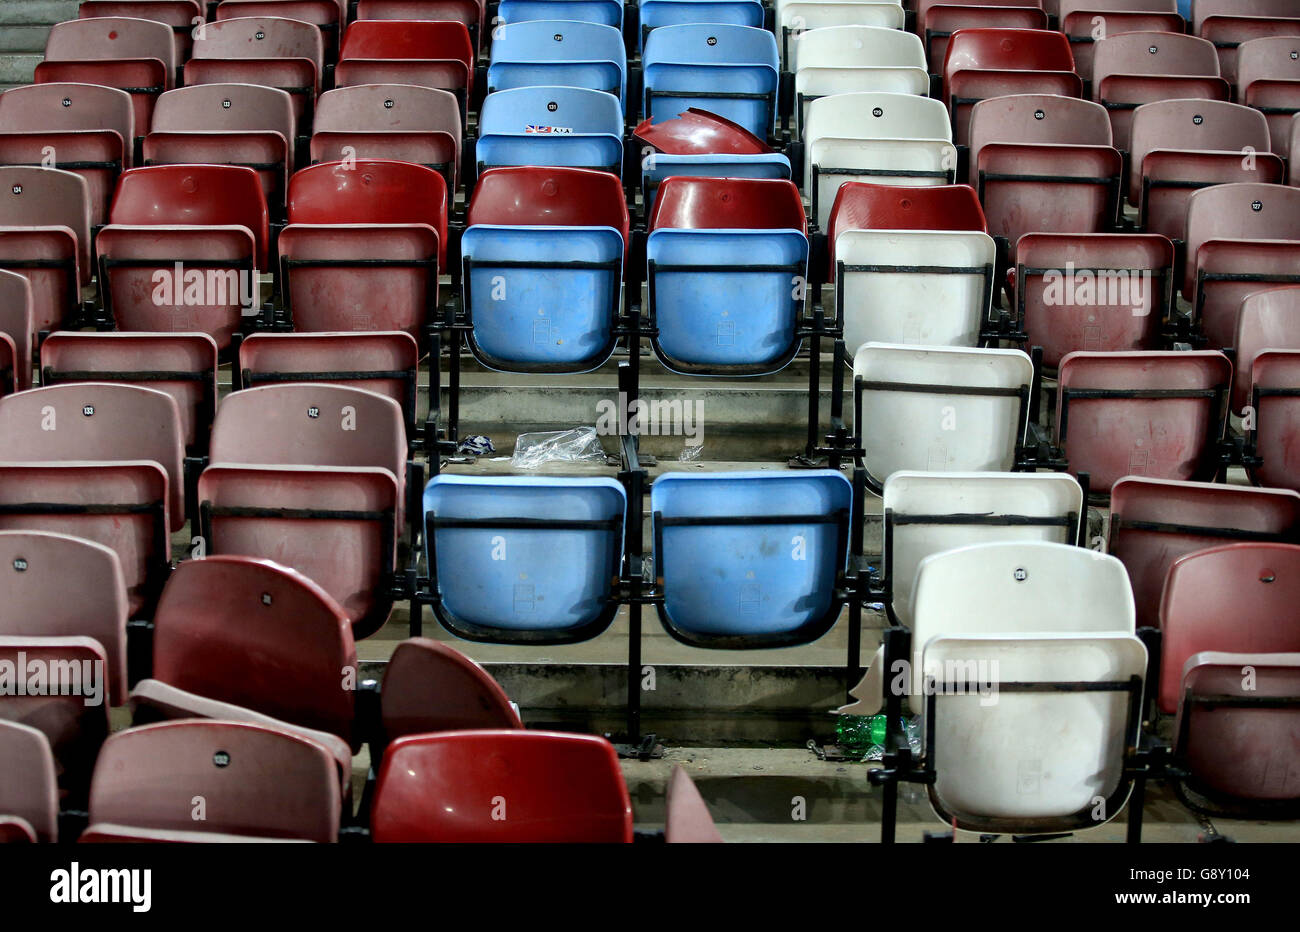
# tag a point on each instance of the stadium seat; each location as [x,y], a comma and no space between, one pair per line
[45,237]
[390,121]
[573,127]
[495,546]
[252,780]
[750,559]
[326,15]
[983,63]
[656,13]
[313,477]
[1138,68]
[1267,320]
[1178,146]
[1103,292]
[1268,79]
[91,130]
[939,409]
[180,15]
[1275,386]
[1228,23]
[1155,521]
[542,260]
[469,12]
[364,246]
[431,687]
[183,250]
[750,234]
[1155,414]
[423,53]
[542,53]
[728,70]
[795,17]
[602,12]
[1044,164]
[16,333]
[846,59]
[896,139]
[227,124]
[1240,238]
[501,786]
[29,802]
[937,20]
[1078,20]
[687,819]
[135,55]
[910,265]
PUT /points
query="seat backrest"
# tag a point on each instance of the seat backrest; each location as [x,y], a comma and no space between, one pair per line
[710,44]
[407,39]
[1198,125]
[1237,597]
[378,191]
[859,46]
[1039,119]
[536,41]
[1269,58]
[1264,9]
[387,108]
[429,687]
[1268,320]
[261,37]
[702,203]
[1006,50]
[860,205]
[37,566]
[253,779]
[256,634]
[506,786]
[28,787]
[194,195]
[16,324]
[225,107]
[699,132]
[1243,211]
[43,197]
[544,196]
[111,37]
[520,110]
[63,106]
[877,115]
[1153,53]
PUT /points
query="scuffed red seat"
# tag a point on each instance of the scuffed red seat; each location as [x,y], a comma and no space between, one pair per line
[311,476]
[227,124]
[90,128]
[470,12]
[1138,68]
[212,222]
[1268,79]
[983,63]
[1239,238]
[424,53]
[1267,320]
[1275,440]
[1155,521]
[1178,146]
[501,786]
[328,16]
[1155,414]
[365,242]
[180,15]
[135,55]
[688,819]
[29,801]
[253,780]
[1228,23]
[390,121]
[184,365]
[45,237]
[1078,20]
[430,687]
[16,333]
[937,20]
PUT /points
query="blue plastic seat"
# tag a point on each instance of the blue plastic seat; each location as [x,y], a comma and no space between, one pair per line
[559,53]
[522,559]
[750,559]
[660,165]
[656,13]
[604,12]
[574,127]
[727,70]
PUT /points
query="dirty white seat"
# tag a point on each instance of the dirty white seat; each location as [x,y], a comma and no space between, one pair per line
[795,17]
[850,58]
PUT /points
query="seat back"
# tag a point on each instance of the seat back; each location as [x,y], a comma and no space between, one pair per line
[48,198]
[429,686]
[687,203]
[180,15]
[574,54]
[112,38]
[29,790]
[1078,20]
[1268,319]
[571,126]
[1227,24]
[16,333]
[548,196]
[1268,78]
[795,17]
[1274,377]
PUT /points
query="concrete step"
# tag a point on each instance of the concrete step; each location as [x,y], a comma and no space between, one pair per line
[37,11]
[18,67]
[23,37]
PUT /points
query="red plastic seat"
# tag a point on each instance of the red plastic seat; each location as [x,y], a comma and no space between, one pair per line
[390,121]
[1267,320]
[1268,79]
[135,55]
[430,687]
[184,365]
[227,124]
[1275,394]
[983,63]
[501,786]
[45,237]
[428,54]
[253,779]
[699,132]
[702,203]
[29,792]
[39,602]
[1156,414]
[1102,292]
[180,15]
[688,818]
[469,12]
[1228,23]
[364,246]
[328,16]
[1078,20]
[1153,522]
[1240,238]
[183,249]
[1138,68]
[1181,145]
[90,128]
[16,333]
[1025,147]
[1236,597]
[549,196]
[937,20]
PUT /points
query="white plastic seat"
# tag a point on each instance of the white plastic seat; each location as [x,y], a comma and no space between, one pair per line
[794,17]
[847,59]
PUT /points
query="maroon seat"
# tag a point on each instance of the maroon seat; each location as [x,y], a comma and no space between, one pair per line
[136,55]
[431,687]
[1228,23]
[1267,320]
[184,365]
[983,63]
[937,20]
[1078,20]
[16,333]
[688,819]
[1138,68]
[699,132]
[1155,521]
[90,129]
[180,15]
[1240,238]
[326,15]
[703,203]
[1044,164]
[424,53]
[501,786]
[252,780]
[1275,395]
[1293,173]
[29,791]
[1153,414]
[1268,79]
[45,237]
[536,195]
[1179,146]
[1236,597]
[469,12]
[365,242]
[183,249]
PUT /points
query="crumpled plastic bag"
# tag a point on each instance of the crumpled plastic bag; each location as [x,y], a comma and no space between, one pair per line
[577,445]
